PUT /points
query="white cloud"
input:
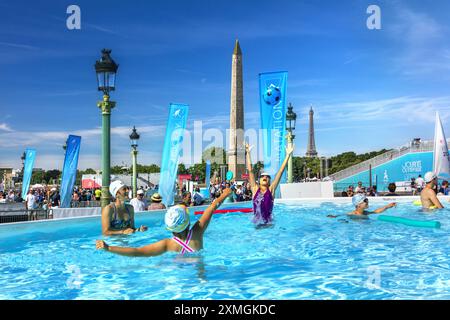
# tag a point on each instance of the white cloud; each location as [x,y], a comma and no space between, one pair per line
[5,127]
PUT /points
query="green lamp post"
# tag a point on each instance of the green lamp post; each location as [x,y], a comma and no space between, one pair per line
[291,117]
[134,137]
[106,70]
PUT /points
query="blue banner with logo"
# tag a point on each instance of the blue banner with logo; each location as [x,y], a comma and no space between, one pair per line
[69,173]
[30,156]
[171,151]
[398,170]
[272,89]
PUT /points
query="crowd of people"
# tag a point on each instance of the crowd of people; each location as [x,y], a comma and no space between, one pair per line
[416,185]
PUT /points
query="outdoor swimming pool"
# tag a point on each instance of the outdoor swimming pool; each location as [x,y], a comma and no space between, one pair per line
[304,256]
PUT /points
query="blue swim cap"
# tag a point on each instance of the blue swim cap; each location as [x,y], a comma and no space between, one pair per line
[358,199]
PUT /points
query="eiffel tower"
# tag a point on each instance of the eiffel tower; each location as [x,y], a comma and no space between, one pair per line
[311,152]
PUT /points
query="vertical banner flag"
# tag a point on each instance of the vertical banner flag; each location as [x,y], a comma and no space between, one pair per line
[171,151]
[272,89]
[69,173]
[207,178]
[30,155]
[441,161]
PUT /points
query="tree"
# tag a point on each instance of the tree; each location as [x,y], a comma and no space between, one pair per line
[182,169]
[52,175]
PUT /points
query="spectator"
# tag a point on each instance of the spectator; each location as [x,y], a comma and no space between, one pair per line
[359,188]
[98,194]
[391,188]
[139,203]
[413,186]
[75,200]
[350,191]
[370,192]
[156,202]
[198,198]
[344,193]
[186,199]
[420,183]
[31,204]
[444,189]
[55,199]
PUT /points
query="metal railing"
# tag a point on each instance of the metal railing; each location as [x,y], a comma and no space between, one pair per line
[382,158]
[85,204]
[25,215]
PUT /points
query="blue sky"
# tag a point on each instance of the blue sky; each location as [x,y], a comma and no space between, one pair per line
[370,89]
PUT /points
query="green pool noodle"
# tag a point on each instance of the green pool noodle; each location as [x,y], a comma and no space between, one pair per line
[410,222]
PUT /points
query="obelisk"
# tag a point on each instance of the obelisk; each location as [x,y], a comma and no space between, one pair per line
[311,151]
[236,153]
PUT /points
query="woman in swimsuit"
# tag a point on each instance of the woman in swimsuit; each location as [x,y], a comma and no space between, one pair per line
[185,239]
[118,217]
[263,194]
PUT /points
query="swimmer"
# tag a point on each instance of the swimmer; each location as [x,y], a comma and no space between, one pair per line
[361,203]
[263,195]
[118,217]
[177,221]
[428,196]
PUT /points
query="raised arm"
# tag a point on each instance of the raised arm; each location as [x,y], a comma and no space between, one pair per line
[382,209]
[276,181]
[207,214]
[154,249]
[251,176]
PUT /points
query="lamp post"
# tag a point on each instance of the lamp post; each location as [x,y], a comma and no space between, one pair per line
[23,157]
[134,137]
[291,117]
[106,70]
[64,148]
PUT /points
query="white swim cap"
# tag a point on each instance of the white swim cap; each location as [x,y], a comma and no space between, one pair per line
[177,219]
[429,176]
[358,199]
[115,186]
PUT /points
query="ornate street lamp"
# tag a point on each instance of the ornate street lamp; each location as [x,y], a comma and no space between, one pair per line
[23,157]
[291,118]
[134,137]
[106,70]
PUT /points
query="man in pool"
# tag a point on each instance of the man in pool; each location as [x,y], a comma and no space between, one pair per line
[177,221]
[361,203]
[263,199]
[428,196]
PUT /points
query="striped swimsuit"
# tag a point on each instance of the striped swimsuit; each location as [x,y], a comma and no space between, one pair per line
[185,245]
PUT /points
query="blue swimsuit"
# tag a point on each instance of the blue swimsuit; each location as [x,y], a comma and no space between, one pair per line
[118,223]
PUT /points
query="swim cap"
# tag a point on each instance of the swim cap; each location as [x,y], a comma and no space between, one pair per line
[429,176]
[176,219]
[115,186]
[358,199]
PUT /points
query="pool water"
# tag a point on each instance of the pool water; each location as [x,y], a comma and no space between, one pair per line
[305,255]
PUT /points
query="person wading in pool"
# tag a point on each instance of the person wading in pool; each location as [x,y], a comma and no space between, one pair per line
[361,203]
[118,217]
[177,221]
[263,199]
[428,196]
